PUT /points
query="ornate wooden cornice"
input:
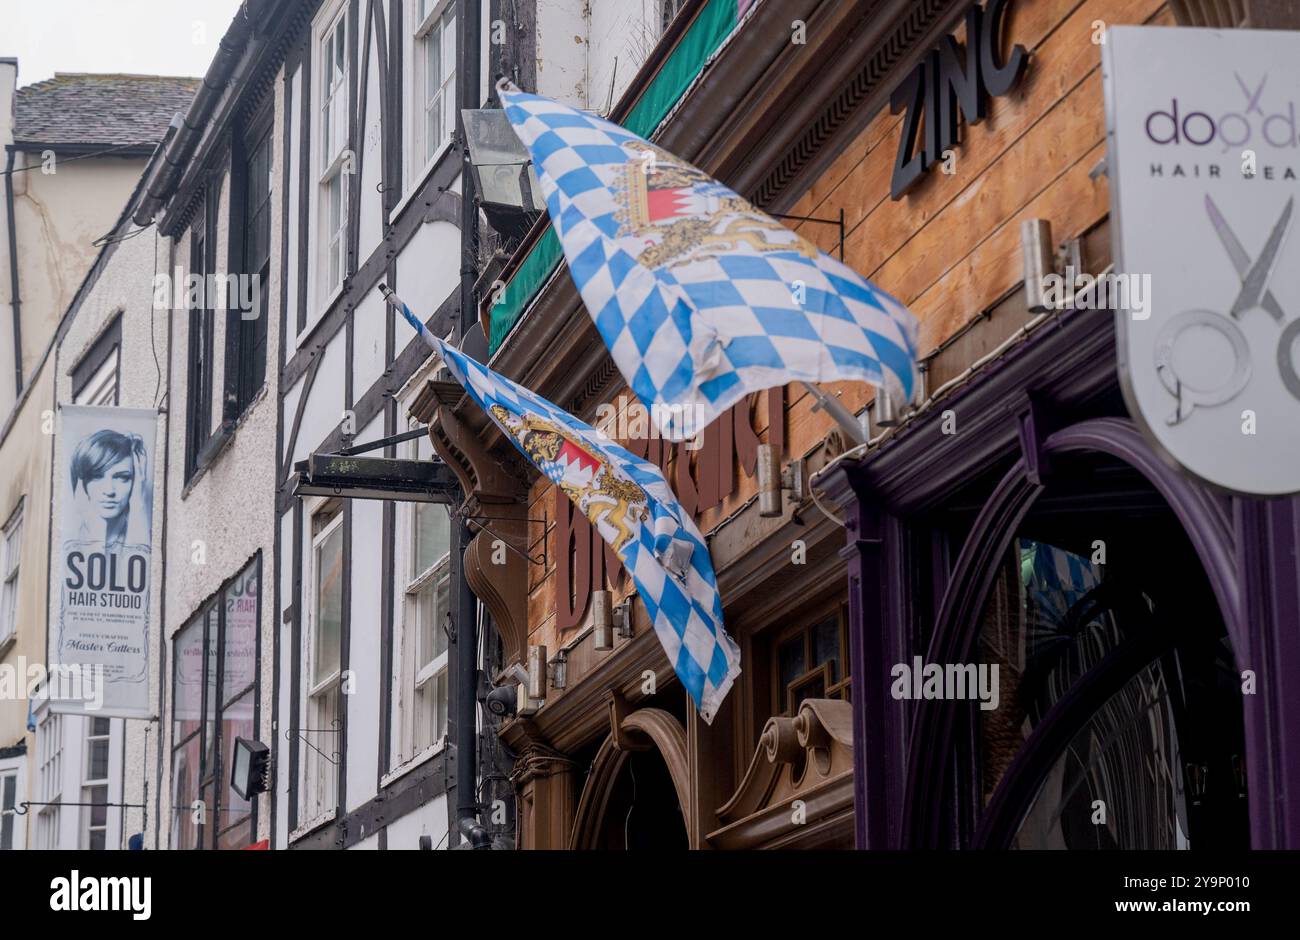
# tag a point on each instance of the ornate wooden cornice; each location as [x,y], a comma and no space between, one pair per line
[499,578]
[486,477]
[798,790]
[495,486]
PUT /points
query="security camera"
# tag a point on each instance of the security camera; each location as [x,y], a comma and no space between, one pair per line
[501,701]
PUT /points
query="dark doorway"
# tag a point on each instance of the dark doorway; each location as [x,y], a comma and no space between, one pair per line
[643,812]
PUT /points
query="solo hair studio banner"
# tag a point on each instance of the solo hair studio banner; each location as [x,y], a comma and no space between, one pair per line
[102,564]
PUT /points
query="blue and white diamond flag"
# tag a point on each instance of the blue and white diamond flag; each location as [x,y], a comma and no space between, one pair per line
[631,505]
[700,297]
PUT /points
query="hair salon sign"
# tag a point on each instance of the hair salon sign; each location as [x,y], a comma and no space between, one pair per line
[1204,163]
[102,564]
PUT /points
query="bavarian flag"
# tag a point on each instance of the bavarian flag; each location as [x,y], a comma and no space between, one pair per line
[631,505]
[700,297]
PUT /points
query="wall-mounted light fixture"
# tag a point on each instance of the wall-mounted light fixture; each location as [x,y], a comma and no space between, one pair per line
[772,481]
[536,685]
[887,412]
[557,670]
[504,179]
[623,618]
[525,705]
[1042,261]
[250,770]
[602,620]
[1036,253]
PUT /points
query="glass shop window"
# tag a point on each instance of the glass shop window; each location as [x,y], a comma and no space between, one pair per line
[214,695]
[1118,718]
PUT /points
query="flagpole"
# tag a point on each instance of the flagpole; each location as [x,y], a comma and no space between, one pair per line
[847,421]
[391,298]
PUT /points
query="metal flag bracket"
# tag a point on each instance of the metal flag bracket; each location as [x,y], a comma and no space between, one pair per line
[301,735]
[540,560]
[25,804]
[811,218]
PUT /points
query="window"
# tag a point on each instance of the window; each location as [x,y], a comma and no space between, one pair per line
[214,694]
[323,718]
[94,787]
[198,403]
[102,388]
[668,10]
[49,757]
[333,160]
[10,555]
[425,608]
[809,662]
[94,377]
[237,716]
[434,79]
[1106,679]
[251,244]
[188,733]
[9,822]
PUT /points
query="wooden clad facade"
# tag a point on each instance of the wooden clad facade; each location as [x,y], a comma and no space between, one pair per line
[806,109]
[950,248]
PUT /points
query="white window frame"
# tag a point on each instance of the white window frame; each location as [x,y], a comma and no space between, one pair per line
[89,784]
[49,762]
[440,19]
[675,6]
[318,799]
[330,162]
[420,672]
[411,676]
[11,553]
[101,389]
[15,769]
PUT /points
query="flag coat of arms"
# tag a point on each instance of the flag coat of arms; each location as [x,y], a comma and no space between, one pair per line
[630,504]
[700,297]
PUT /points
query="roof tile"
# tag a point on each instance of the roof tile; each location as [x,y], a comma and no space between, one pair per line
[76,108]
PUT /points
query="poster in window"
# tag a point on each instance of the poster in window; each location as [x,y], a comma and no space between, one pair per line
[102,564]
[240,666]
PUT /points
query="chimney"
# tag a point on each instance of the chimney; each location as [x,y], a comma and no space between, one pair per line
[8,86]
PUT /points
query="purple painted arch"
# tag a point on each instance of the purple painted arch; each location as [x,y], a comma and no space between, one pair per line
[1203,517]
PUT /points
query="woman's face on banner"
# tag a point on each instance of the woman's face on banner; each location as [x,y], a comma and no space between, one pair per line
[110,493]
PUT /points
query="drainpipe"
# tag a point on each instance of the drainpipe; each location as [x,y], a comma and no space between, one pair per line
[13,273]
[468,825]
[162,549]
[164,174]
[466,714]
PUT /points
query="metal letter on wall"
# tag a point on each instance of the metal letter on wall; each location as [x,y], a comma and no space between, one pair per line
[947,83]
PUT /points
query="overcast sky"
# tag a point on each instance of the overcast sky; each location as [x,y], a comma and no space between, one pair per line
[149,37]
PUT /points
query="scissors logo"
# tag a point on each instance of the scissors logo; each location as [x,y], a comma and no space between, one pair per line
[1254,294]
